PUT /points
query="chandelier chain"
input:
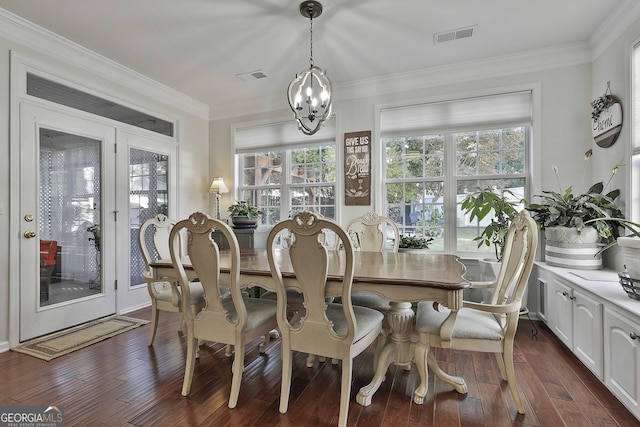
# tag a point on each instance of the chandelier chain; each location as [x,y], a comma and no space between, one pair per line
[311,41]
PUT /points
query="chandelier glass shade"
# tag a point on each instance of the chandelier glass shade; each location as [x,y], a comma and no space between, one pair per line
[310,93]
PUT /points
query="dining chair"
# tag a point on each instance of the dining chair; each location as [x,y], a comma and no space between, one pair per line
[340,331]
[369,232]
[165,295]
[489,327]
[235,321]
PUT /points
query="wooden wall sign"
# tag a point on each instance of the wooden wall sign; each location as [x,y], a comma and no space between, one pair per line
[357,168]
[606,120]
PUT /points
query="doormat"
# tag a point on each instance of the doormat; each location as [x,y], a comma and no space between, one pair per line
[64,342]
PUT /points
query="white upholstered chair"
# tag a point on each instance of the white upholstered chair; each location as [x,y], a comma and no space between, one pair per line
[369,232]
[236,320]
[485,327]
[153,241]
[339,331]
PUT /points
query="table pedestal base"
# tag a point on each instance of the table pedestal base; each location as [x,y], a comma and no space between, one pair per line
[400,350]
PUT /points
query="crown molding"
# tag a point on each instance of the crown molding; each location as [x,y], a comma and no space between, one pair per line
[625,15]
[18,30]
[486,68]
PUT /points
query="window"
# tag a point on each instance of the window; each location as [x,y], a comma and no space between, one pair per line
[56,92]
[284,171]
[437,154]
[634,201]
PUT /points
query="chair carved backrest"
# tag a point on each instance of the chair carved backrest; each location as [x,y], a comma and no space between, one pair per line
[519,252]
[156,245]
[311,279]
[370,230]
[204,256]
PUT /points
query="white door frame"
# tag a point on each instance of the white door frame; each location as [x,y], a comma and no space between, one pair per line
[34,319]
[132,296]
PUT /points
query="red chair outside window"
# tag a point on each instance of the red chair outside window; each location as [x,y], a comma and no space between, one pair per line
[48,249]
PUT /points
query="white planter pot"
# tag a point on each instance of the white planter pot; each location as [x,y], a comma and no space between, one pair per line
[568,248]
[630,247]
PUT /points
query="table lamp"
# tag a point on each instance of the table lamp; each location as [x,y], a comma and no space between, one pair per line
[218,188]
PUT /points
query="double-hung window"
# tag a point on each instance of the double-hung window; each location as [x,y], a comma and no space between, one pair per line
[436,154]
[283,171]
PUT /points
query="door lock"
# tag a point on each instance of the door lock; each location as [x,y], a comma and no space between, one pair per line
[28,217]
[29,234]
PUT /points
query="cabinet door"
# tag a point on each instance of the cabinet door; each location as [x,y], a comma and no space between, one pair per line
[561,322]
[622,359]
[587,331]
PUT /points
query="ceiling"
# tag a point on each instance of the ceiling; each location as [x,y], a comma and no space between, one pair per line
[198,47]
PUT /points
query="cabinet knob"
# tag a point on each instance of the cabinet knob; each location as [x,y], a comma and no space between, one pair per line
[633,335]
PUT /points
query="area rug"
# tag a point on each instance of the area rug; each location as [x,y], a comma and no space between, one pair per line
[64,342]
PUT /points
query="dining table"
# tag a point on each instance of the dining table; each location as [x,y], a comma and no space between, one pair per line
[402,277]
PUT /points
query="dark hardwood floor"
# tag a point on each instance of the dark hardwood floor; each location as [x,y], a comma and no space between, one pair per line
[122,382]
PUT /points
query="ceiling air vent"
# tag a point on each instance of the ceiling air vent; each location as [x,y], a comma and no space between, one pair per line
[253,75]
[458,34]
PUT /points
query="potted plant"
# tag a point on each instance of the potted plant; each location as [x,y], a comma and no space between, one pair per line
[578,224]
[244,214]
[630,244]
[409,242]
[504,207]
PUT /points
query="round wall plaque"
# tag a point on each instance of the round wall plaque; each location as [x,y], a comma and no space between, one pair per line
[607,122]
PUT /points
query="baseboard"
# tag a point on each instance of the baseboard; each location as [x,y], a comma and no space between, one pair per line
[4,346]
[135,308]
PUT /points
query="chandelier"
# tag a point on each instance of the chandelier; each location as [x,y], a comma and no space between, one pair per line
[310,92]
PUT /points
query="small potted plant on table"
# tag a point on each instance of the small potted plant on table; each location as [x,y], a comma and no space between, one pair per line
[409,243]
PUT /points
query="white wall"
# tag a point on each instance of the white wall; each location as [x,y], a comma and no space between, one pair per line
[613,65]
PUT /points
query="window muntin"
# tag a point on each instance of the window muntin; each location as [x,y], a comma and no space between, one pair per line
[308,185]
[417,179]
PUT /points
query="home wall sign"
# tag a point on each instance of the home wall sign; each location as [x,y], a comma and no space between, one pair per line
[357,168]
[606,119]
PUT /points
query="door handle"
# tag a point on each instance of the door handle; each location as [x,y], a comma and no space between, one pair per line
[29,234]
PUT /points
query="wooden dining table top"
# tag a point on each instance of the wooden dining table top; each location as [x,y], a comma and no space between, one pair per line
[436,271]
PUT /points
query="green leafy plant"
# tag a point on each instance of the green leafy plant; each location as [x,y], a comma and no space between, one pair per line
[504,207]
[632,227]
[414,242]
[244,208]
[596,207]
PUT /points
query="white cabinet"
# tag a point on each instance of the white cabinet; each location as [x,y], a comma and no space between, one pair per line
[596,319]
[622,358]
[576,318]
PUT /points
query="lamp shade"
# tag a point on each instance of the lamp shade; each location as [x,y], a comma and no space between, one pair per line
[217,186]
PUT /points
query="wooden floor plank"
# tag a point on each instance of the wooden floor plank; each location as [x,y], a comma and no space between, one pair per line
[122,382]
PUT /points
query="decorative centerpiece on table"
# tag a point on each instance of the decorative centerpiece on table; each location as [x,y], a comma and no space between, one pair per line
[409,242]
[244,214]
[577,226]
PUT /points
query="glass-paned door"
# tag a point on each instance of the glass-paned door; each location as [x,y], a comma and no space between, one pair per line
[148,196]
[67,258]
